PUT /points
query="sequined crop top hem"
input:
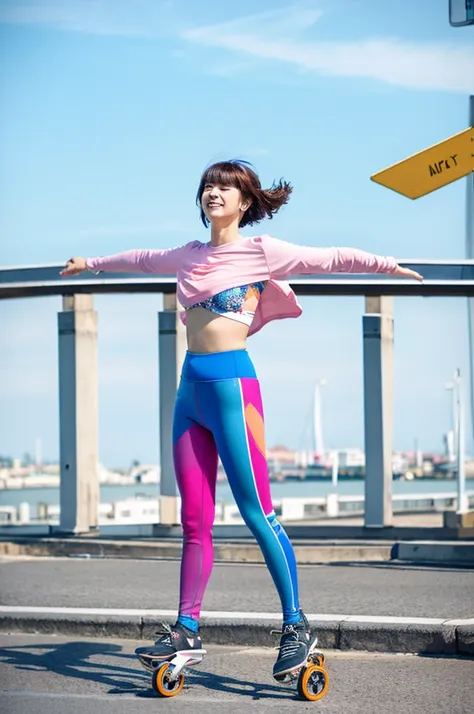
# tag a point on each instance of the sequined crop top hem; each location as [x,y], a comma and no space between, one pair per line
[239,303]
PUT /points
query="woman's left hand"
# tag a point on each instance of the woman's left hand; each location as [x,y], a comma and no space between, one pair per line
[407,273]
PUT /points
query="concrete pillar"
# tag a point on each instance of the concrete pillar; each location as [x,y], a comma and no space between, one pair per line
[78,415]
[171,352]
[378,410]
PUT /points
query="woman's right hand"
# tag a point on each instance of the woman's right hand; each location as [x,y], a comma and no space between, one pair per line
[74,266]
[407,273]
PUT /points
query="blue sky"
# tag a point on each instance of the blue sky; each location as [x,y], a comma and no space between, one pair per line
[109,112]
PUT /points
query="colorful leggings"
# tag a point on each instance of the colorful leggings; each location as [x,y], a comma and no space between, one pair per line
[219,411]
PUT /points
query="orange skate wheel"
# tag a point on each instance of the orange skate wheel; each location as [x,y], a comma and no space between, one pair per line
[163,684]
[313,683]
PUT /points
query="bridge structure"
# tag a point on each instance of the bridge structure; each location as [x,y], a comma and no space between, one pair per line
[78,375]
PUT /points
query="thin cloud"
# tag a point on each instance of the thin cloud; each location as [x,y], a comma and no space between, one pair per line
[94,17]
[281,22]
[276,36]
[272,35]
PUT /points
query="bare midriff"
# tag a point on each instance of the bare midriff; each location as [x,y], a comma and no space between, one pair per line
[209,332]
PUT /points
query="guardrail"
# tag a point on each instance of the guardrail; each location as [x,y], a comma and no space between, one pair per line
[442,278]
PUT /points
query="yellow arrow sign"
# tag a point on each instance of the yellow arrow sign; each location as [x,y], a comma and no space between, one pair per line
[432,168]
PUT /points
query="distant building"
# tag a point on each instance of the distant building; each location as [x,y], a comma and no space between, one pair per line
[281,455]
[351,457]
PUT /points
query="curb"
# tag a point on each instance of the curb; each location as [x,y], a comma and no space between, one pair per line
[342,632]
[245,551]
[457,553]
[228,552]
[442,552]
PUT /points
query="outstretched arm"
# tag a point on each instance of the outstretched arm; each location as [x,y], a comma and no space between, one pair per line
[285,258]
[166,260]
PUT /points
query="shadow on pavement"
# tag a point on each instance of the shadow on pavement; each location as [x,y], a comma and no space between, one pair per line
[74,659]
[242,687]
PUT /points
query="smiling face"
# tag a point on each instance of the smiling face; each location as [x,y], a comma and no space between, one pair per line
[226,192]
[222,203]
[230,192]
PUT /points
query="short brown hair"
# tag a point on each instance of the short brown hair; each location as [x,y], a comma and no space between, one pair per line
[241,175]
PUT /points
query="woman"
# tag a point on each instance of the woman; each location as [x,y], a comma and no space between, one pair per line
[230,288]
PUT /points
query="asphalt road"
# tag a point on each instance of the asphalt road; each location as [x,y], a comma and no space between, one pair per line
[40,673]
[360,589]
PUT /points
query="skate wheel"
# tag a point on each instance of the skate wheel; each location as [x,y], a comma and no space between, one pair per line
[313,683]
[163,684]
[319,659]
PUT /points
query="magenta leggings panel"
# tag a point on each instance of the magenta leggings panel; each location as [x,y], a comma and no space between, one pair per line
[195,460]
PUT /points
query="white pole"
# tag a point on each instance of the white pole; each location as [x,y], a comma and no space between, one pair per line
[453,446]
[335,467]
[455,419]
[461,473]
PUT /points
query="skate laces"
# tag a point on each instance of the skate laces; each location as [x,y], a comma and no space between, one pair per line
[168,634]
[290,641]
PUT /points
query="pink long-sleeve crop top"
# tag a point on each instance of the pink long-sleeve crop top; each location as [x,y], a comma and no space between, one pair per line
[203,270]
